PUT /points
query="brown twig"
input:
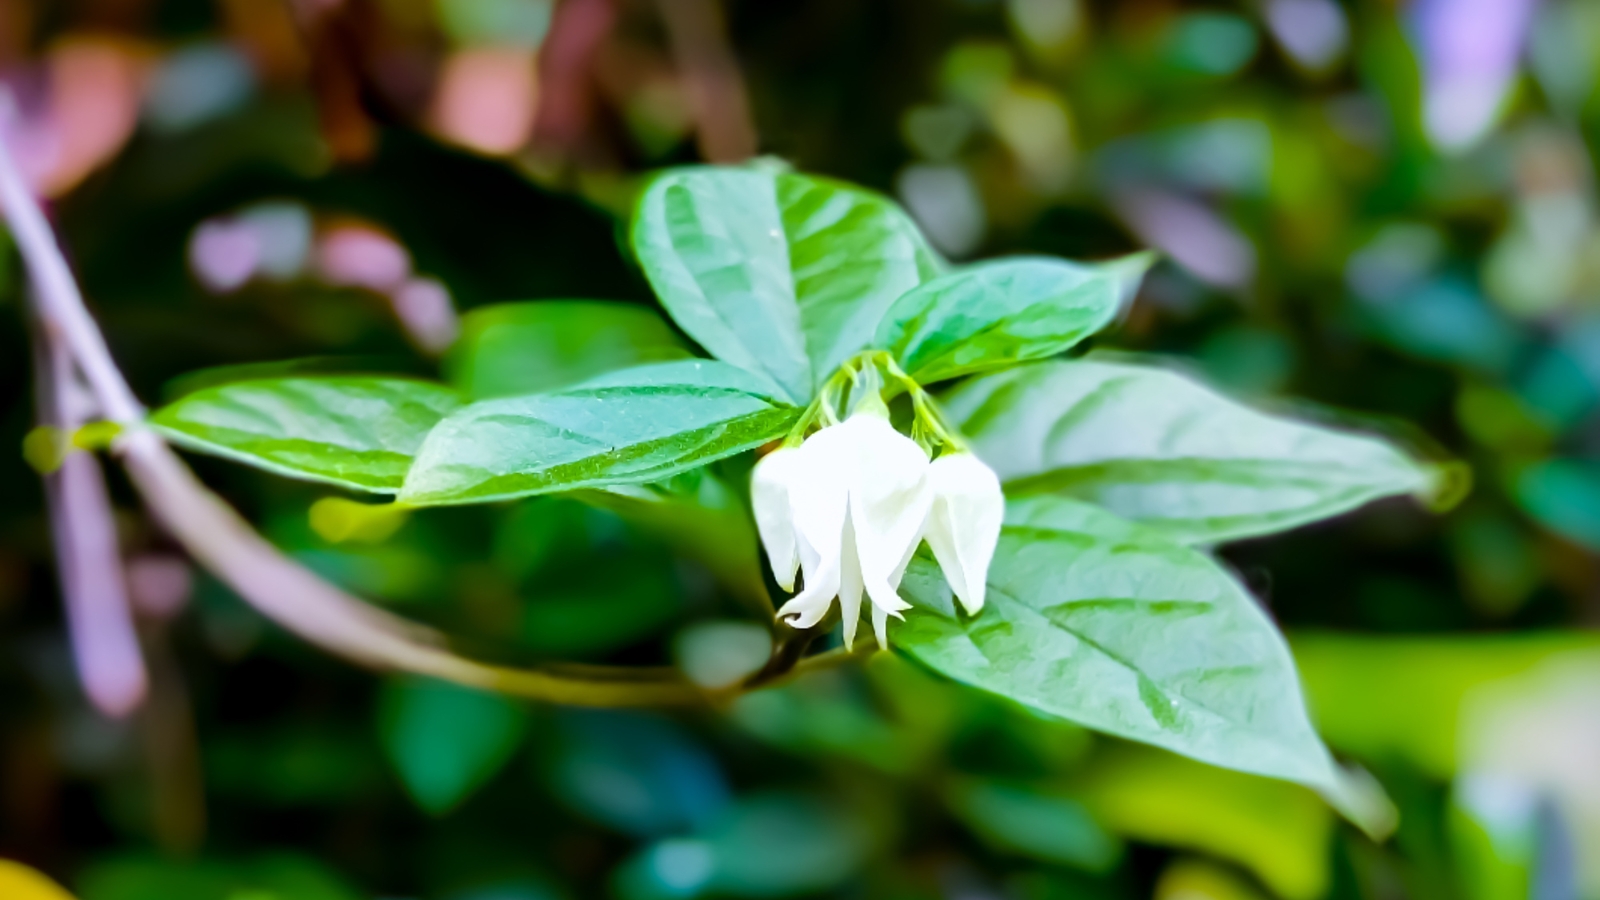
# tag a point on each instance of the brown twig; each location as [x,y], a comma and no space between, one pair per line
[566,94]
[221,540]
[711,78]
[105,643]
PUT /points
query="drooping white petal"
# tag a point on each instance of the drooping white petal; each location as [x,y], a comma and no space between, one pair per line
[889,504]
[850,587]
[964,526]
[818,503]
[769,497]
[880,625]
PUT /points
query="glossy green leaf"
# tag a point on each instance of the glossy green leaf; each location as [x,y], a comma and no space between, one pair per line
[1154,446]
[358,432]
[998,314]
[637,425]
[446,740]
[530,348]
[1115,628]
[781,274]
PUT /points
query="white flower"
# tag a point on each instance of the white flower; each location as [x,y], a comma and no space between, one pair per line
[857,501]
[850,506]
[769,494]
[964,527]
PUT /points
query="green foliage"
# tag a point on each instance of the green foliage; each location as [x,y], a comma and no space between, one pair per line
[531,348]
[784,277]
[1035,823]
[1564,495]
[277,876]
[1405,698]
[355,432]
[1155,447]
[772,845]
[994,315]
[1099,622]
[781,274]
[1318,239]
[699,514]
[1278,831]
[643,424]
[446,741]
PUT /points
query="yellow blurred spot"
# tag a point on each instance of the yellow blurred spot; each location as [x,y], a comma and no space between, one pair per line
[18,882]
[1189,879]
[1276,830]
[96,435]
[44,448]
[338,520]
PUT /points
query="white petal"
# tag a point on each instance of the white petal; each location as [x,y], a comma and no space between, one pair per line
[964,526]
[769,498]
[889,504]
[880,625]
[850,587]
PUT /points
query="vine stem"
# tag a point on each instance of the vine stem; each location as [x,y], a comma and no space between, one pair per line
[221,540]
[105,641]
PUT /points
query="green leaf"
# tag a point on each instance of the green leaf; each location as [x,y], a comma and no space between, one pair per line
[1154,446]
[772,844]
[1117,629]
[638,425]
[446,740]
[780,274]
[1278,831]
[357,432]
[636,774]
[1040,824]
[531,348]
[998,314]
[1407,698]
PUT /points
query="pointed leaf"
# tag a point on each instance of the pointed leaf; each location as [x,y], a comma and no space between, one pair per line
[1111,626]
[998,314]
[781,274]
[637,425]
[1154,446]
[358,432]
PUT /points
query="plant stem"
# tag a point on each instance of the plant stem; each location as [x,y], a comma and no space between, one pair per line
[225,543]
[105,643]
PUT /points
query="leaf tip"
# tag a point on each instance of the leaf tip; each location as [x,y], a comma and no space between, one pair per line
[1358,796]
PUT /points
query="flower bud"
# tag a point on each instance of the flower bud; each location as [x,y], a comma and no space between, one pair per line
[964,525]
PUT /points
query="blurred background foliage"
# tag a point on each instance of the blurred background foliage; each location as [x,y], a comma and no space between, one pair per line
[1377,206]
